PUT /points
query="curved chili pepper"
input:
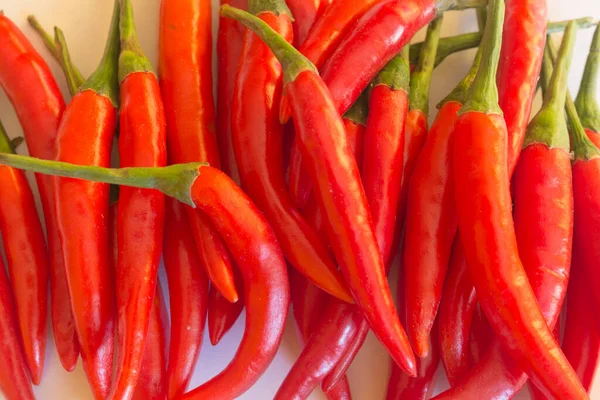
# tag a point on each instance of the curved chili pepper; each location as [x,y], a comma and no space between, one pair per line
[586,103]
[185,76]
[258,145]
[381,173]
[375,39]
[14,375]
[229,48]
[141,213]
[484,206]
[222,313]
[337,185]
[31,88]
[188,291]
[305,13]
[522,52]
[25,250]
[88,125]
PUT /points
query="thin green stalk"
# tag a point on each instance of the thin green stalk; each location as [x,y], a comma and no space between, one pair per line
[586,102]
[549,125]
[420,79]
[278,7]
[481,18]
[132,58]
[45,36]
[6,145]
[483,95]
[174,181]
[105,80]
[396,73]
[359,111]
[461,91]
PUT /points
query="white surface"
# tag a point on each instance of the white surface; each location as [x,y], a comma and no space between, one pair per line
[85,23]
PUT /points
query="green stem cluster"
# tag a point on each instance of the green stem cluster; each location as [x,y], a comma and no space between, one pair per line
[586,103]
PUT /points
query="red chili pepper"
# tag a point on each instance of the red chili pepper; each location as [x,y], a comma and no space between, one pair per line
[85,137]
[488,235]
[375,39]
[14,375]
[229,48]
[185,74]
[306,13]
[32,90]
[522,51]
[222,313]
[481,336]
[188,291]
[25,249]
[141,213]
[338,187]
[258,145]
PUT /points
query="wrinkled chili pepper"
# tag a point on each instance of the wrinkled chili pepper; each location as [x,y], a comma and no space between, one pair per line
[188,291]
[15,383]
[141,213]
[258,144]
[222,313]
[27,259]
[185,76]
[586,103]
[305,13]
[229,48]
[88,126]
[337,185]
[490,243]
[248,236]
[31,88]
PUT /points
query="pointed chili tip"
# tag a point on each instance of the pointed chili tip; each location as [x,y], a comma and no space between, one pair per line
[292,62]
[422,344]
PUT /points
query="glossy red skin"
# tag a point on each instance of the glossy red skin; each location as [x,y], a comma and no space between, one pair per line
[329,340]
[188,297]
[140,225]
[338,187]
[185,74]
[430,226]
[581,342]
[586,189]
[222,313]
[415,134]
[25,249]
[375,39]
[85,137]
[508,299]
[31,88]
[306,13]
[383,161]
[14,375]
[534,392]
[152,384]
[593,136]
[341,390]
[258,145]
[229,48]
[481,336]
[455,316]
[253,245]
[523,40]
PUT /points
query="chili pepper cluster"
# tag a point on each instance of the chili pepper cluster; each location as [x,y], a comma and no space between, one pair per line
[315,169]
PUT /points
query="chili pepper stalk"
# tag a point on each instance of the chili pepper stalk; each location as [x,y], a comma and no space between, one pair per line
[586,103]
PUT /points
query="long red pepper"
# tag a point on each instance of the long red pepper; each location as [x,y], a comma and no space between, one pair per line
[222,313]
[185,75]
[27,258]
[15,383]
[141,213]
[521,56]
[258,145]
[229,48]
[32,90]
[85,137]
[337,184]
[305,13]
[488,235]
[188,291]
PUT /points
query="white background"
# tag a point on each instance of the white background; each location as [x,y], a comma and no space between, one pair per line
[85,23]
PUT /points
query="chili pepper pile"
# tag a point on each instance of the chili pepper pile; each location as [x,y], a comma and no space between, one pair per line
[312,178]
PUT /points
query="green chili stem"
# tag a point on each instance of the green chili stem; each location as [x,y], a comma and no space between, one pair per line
[132,58]
[46,38]
[5,144]
[420,79]
[359,111]
[586,103]
[461,91]
[481,18]
[74,78]
[396,73]
[174,181]
[292,62]
[483,95]
[105,80]
[277,7]
[582,146]
[549,125]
